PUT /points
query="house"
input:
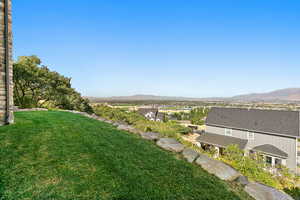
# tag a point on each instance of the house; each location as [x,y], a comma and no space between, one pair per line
[151,114]
[160,117]
[272,133]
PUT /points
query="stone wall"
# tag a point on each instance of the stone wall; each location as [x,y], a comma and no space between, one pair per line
[6,92]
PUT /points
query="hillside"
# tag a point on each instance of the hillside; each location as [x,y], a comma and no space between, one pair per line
[283,95]
[288,95]
[64,156]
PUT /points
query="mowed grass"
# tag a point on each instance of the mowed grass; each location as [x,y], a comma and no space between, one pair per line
[59,155]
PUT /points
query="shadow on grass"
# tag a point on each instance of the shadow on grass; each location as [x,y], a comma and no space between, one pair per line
[1,189]
[294,192]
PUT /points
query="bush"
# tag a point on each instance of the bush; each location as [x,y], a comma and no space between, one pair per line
[196,116]
[253,168]
[170,128]
[294,192]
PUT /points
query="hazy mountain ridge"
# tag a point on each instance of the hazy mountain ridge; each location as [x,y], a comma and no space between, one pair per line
[142,97]
[282,95]
[289,94]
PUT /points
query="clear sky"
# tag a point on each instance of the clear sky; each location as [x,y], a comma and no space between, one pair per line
[195,48]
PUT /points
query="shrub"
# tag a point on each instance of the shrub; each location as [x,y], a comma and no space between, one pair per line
[294,192]
[170,128]
[253,168]
[196,116]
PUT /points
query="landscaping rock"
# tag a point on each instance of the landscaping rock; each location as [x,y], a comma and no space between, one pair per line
[124,127]
[128,128]
[263,192]
[100,119]
[134,130]
[150,136]
[108,121]
[94,116]
[32,109]
[190,155]
[170,144]
[243,180]
[116,124]
[218,168]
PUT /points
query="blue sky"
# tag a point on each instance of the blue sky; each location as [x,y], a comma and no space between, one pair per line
[192,48]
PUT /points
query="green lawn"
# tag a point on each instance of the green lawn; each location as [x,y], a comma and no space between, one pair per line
[59,155]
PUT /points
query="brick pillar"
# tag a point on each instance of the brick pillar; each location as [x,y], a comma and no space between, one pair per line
[6,82]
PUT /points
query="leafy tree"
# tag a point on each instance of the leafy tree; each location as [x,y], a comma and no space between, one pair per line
[36,86]
[197,115]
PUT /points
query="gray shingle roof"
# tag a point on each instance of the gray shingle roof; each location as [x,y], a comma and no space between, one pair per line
[270,149]
[144,111]
[264,121]
[221,140]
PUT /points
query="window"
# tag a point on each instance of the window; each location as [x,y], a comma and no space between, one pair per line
[269,160]
[278,162]
[250,136]
[228,132]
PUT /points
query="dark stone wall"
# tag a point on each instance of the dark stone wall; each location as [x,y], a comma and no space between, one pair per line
[5,117]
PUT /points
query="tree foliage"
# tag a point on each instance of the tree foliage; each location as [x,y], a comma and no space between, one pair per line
[36,86]
[196,116]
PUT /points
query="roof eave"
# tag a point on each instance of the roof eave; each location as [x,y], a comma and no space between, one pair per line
[264,132]
[271,154]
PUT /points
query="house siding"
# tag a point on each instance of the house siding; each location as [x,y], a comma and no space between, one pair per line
[286,144]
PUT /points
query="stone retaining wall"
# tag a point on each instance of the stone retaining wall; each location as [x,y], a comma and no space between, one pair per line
[4,39]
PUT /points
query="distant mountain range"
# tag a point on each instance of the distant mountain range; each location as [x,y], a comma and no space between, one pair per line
[142,97]
[289,94]
[283,95]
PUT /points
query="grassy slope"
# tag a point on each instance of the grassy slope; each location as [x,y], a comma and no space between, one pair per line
[59,155]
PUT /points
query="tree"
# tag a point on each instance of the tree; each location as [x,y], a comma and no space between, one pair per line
[197,115]
[36,86]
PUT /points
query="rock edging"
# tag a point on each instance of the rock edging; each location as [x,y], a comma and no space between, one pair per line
[190,154]
[262,192]
[219,169]
[30,109]
[170,144]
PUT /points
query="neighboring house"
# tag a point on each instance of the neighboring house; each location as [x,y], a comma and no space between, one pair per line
[160,117]
[273,133]
[151,114]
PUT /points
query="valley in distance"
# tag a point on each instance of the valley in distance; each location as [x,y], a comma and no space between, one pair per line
[286,99]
